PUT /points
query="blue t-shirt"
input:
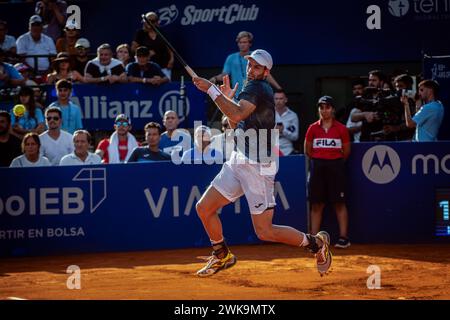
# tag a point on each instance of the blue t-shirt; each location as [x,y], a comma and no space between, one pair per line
[71,116]
[209,156]
[144,154]
[12,73]
[259,124]
[26,121]
[179,142]
[236,67]
[428,121]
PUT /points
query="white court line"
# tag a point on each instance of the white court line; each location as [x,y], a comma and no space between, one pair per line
[15,298]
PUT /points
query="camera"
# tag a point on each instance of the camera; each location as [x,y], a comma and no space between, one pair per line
[410,94]
[388,108]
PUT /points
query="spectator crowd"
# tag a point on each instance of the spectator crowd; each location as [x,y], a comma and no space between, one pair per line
[53,52]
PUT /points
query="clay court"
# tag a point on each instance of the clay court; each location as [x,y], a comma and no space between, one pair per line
[263,272]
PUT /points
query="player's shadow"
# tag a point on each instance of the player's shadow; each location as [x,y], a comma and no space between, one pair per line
[264,252]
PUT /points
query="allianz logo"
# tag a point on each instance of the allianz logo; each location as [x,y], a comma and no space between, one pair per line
[381,164]
[100,107]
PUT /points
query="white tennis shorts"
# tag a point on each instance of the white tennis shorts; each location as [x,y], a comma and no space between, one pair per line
[237,178]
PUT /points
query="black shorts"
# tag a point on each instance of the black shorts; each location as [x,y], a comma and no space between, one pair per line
[326,182]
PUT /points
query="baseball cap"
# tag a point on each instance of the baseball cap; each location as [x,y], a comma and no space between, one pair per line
[142,51]
[122,116]
[326,99]
[35,19]
[262,57]
[21,67]
[71,25]
[82,42]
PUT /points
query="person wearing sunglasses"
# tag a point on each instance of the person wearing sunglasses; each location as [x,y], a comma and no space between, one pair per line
[327,145]
[120,145]
[55,142]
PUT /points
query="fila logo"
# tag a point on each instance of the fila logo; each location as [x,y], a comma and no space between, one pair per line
[327,143]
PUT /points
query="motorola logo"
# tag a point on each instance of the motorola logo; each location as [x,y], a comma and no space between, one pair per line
[381,164]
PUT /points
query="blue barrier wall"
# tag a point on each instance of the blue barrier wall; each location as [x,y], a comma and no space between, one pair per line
[391,199]
[127,207]
[392,191]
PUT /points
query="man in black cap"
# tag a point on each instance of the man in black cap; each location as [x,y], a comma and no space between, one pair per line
[327,144]
[145,71]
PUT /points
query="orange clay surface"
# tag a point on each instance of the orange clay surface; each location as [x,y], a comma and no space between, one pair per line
[263,272]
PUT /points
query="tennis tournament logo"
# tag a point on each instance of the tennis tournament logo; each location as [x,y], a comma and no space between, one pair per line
[398,8]
[381,164]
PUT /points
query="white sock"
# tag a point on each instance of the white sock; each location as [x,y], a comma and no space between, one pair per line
[305,241]
[213,242]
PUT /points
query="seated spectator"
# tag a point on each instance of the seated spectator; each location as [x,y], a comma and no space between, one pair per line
[26,72]
[159,52]
[31,156]
[9,144]
[36,43]
[79,61]
[202,152]
[71,113]
[105,68]
[123,53]
[39,98]
[174,140]
[428,119]
[151,152]
[9,76]
[7,42]
[53,14]
[62,70]
[55,143]
[71,35]
[118,148]
[81,155]
[224,142]
[32,119]
[145,71]
[286,122]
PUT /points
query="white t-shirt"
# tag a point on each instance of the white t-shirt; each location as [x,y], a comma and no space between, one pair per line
[53,149]
[45,46]
[73,160]
[22,161]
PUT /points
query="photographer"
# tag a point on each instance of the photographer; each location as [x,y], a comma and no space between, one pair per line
[428,119]
[381,111]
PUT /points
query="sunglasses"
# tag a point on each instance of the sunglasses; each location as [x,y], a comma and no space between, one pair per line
[53,118]
[122,124]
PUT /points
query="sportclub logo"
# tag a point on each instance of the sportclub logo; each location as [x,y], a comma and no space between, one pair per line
[167,15]
[172,100]
[398,8]
[381,164]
